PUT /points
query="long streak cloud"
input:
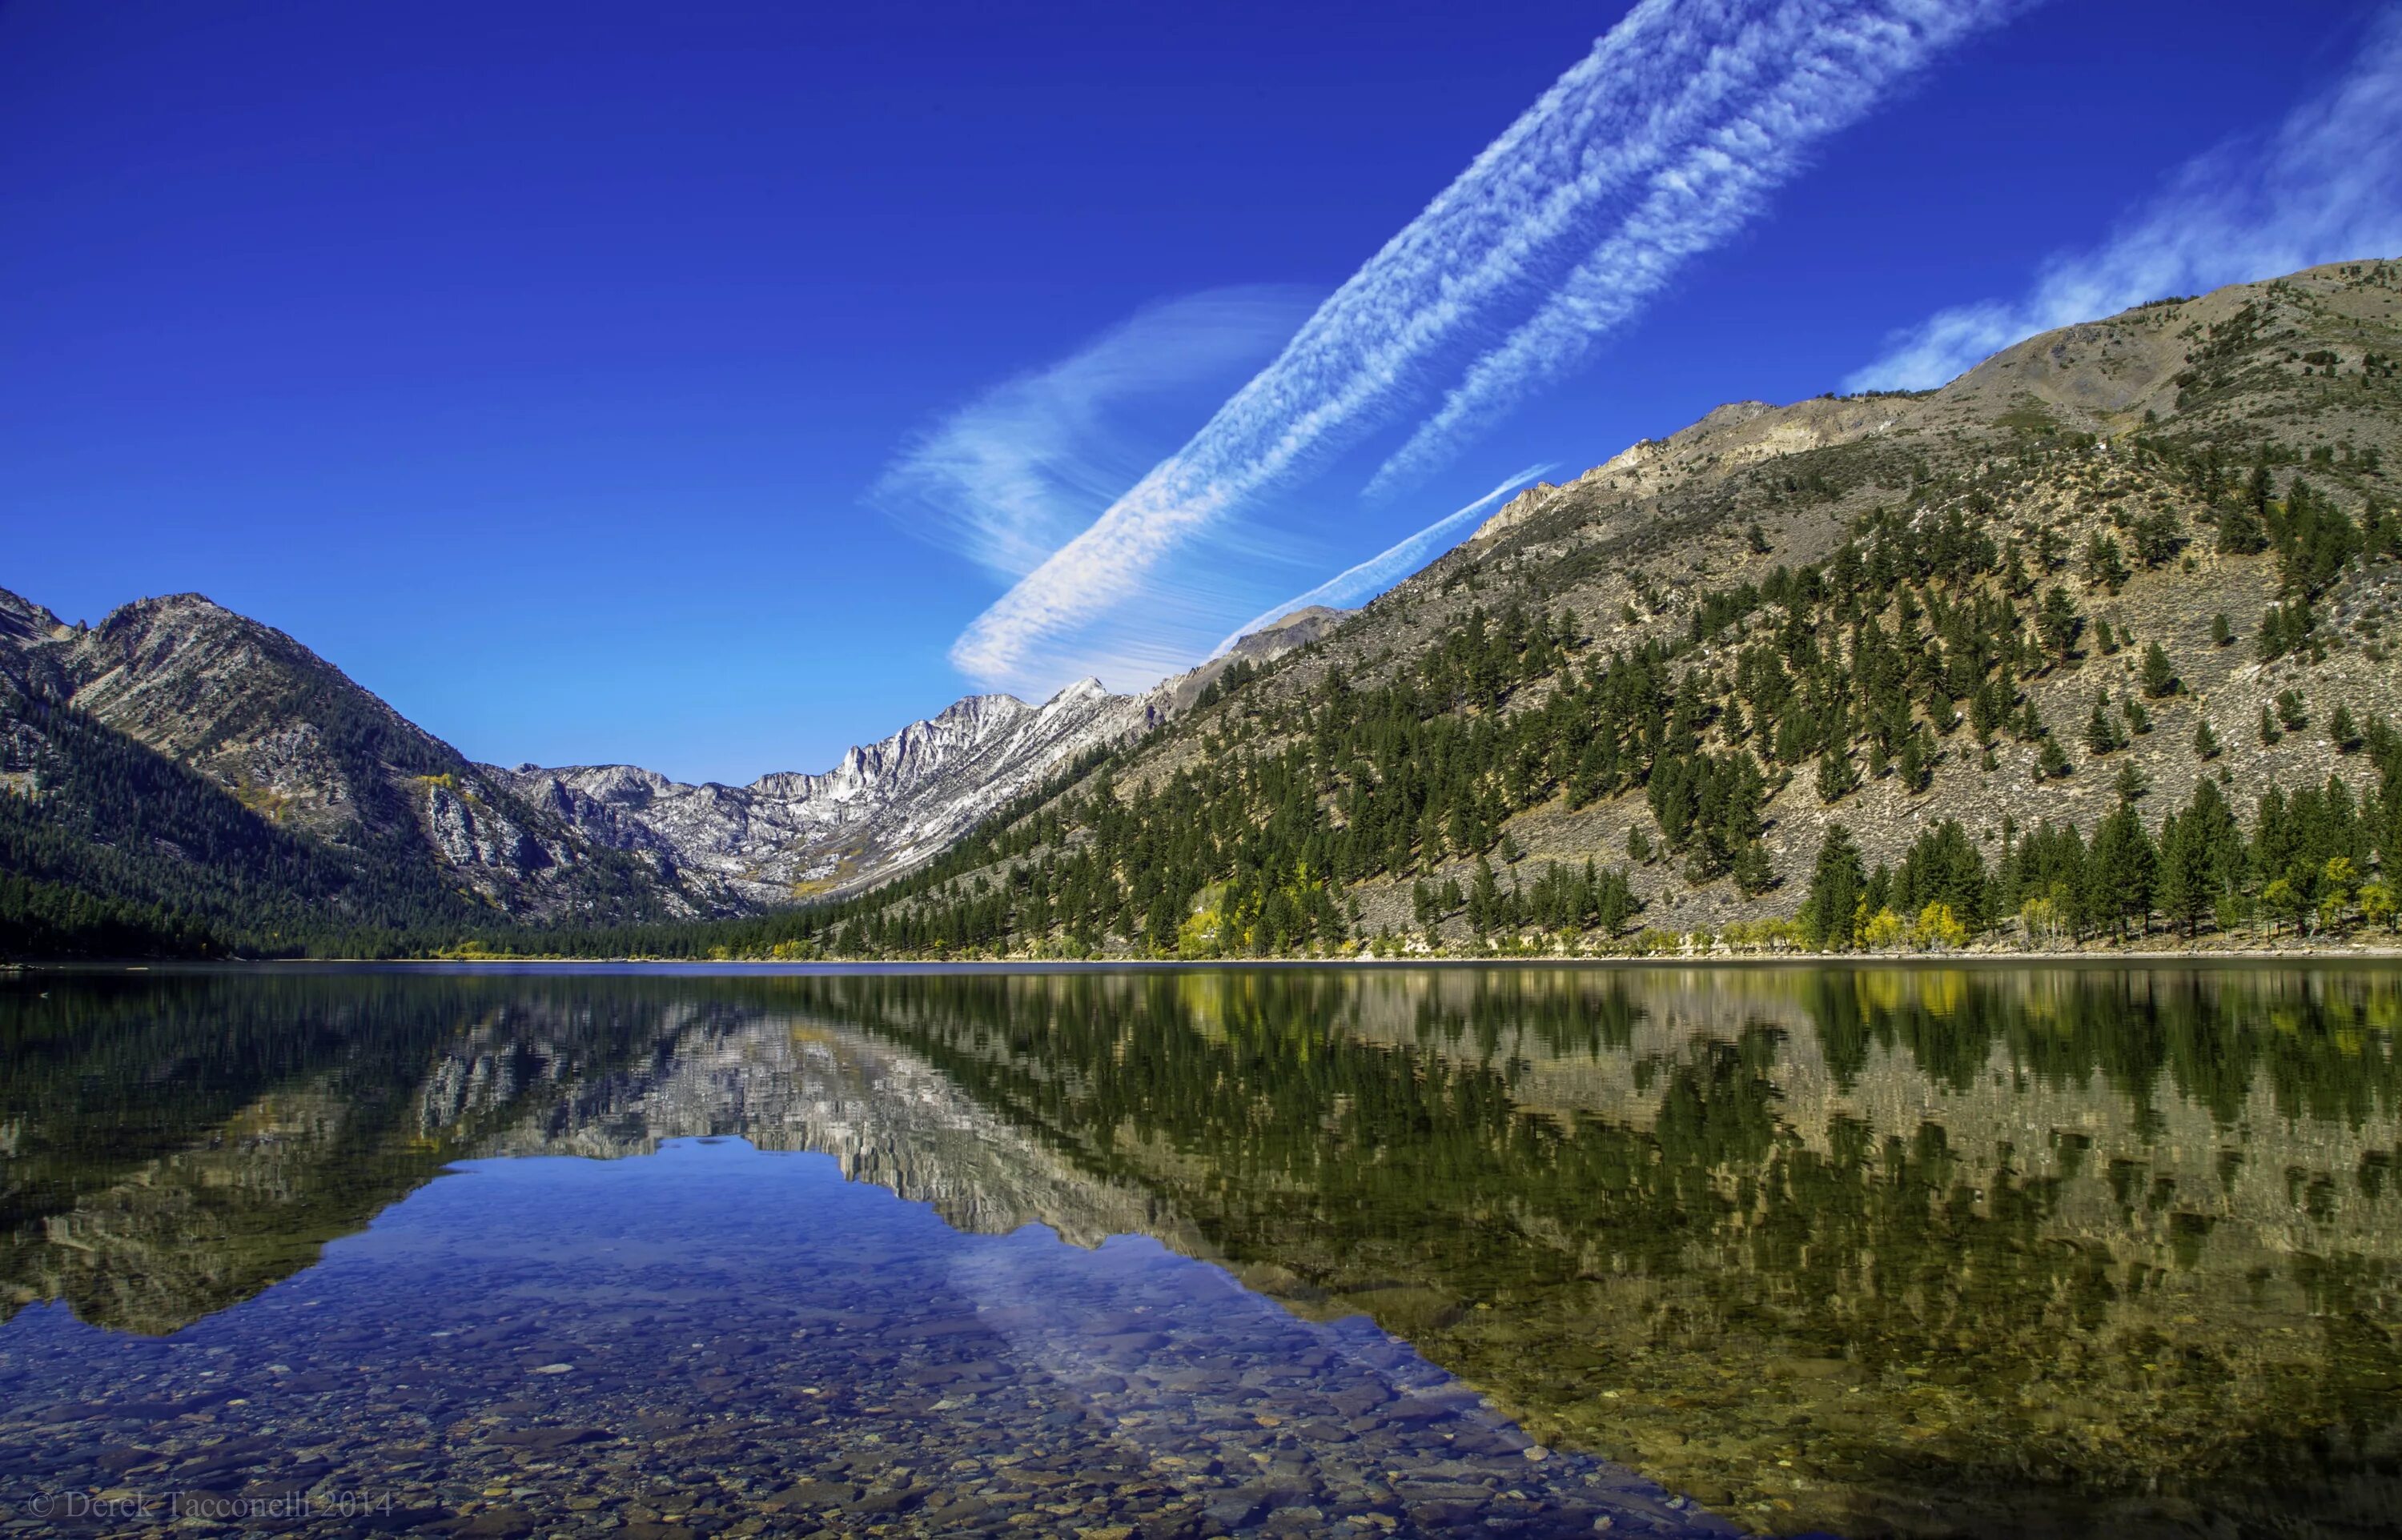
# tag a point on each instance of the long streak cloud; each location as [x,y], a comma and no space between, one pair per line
[1389,566]
[1009,478]
[1826,72]
[1657,144]
[2325,185]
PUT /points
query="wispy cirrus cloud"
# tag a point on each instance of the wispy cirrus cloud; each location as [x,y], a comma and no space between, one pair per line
[1657,144]
[1358,584]
[1805,71]
[2324,185]
[1010,476]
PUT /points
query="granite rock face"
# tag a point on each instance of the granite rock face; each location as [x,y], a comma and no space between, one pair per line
[887,806]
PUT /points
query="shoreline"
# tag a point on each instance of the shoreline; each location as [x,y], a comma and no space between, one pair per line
[1970,960]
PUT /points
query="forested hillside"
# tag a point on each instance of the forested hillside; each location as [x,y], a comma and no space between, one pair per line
[108,848]
[2092,644]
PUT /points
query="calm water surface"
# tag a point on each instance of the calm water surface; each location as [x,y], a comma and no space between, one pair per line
[1685,1251]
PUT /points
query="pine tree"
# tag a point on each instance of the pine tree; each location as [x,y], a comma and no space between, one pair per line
[1987,706]
[2269,734]
[2120,869]
[2205,741]
[2240,531]
[2201,859]
[1913,765]
[2060,623]
[2105,564]
[1838,776]
[1838,886]
[2159,675]
[2243,527]
[1483,899]
[2101,732]
[1752,873]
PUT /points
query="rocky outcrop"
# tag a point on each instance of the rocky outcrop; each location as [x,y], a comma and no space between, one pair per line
[889,804]
[1287,633]
[23,621]
[884,807]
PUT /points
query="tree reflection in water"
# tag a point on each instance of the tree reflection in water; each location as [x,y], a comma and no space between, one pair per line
[1863,1249]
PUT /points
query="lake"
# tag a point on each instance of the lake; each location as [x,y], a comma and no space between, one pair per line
[1674,1250]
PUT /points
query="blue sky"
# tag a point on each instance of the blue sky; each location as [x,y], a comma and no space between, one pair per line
[711,387]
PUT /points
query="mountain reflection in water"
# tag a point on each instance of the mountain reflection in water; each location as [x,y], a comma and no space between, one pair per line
[1864,1250]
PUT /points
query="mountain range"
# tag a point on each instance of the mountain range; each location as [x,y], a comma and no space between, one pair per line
[2108,565]
[182,775]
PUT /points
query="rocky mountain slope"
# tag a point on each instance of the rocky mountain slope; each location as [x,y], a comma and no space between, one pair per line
[273,749]
[2108,565]
[890,805]
[887,806]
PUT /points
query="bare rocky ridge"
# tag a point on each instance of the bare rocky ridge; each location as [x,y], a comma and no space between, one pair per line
[23,621]
[888,805]
[1279,637]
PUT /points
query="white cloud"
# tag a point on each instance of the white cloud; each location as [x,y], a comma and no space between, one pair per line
[1644,145]
[1359,583]
[2326,185]
[1823,68]
[1011,476]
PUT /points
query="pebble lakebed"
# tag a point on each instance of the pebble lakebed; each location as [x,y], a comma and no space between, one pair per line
[716,1340]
